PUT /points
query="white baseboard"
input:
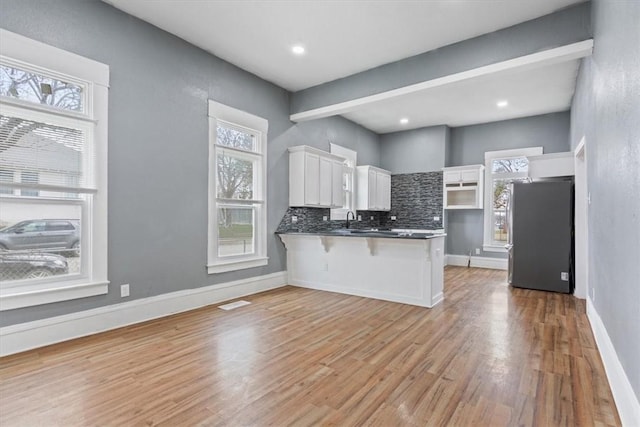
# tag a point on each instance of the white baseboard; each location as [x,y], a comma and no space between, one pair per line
[39,333]
[477,261]
[626,401]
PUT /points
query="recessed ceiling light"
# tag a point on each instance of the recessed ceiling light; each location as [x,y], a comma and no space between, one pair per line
[404,121]
[297,49]
[502,104]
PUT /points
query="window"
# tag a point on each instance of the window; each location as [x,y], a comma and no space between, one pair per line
[59,226]
[53,172]
[29,178]
[348,181]
[5,176]
[502,168]
[237,189]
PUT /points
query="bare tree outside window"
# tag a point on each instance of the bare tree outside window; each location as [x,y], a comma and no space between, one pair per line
[501,193]
[518,164]
[39,89]
[235,181]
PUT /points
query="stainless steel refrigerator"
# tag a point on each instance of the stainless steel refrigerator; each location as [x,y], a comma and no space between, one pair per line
[541,236]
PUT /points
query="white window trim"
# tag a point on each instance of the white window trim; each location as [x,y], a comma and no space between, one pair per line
[488,243]
[95,77]
[352,155]
[215,264]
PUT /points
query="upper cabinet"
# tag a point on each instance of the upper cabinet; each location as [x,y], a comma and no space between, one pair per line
[463,187]
[315,178]
[374,189]
[551,165]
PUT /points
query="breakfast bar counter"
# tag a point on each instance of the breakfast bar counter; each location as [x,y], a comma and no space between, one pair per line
[402,267]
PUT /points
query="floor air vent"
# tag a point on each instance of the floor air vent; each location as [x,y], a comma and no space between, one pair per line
[233,305]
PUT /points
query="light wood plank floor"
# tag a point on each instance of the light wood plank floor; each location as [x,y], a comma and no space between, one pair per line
[488,355]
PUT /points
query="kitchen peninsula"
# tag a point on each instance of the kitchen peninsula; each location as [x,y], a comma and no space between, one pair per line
[405,267]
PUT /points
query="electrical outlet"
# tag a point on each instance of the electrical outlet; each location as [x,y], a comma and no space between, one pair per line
[124,290]
[324,218]
[393,217]
[477,251]
[294,219]
[564,276]
[325,266]
[371,218]
[359,217]
[436,218]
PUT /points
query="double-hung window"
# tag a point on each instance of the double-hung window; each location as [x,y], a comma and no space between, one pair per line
[348,182]
[502,168]
[53,172]
[237,189]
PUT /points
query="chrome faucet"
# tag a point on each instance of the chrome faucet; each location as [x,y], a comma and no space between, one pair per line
[353,217]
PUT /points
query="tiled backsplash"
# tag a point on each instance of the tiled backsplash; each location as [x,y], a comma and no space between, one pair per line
[416,198]
[311,220]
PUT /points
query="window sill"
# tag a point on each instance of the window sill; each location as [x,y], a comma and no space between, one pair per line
[27,296]
[494,248]
[223,267]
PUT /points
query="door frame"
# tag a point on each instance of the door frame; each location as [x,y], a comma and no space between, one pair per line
[581,221]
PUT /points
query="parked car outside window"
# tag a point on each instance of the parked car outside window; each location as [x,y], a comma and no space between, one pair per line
[42,234]
[31,265]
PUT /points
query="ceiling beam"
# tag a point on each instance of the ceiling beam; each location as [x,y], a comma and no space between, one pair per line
[527,62]
[561,28]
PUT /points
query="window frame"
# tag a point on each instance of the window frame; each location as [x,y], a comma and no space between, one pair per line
[29,177]
[350,156]
[6,177]
[489,244]
[27,54]
[238,119]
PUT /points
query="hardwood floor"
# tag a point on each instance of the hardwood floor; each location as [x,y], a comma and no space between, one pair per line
[488,355]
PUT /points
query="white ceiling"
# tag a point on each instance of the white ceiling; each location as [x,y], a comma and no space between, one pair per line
[350,36]
[341,37]
[531,92]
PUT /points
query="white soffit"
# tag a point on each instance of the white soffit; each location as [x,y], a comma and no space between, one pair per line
[341,37]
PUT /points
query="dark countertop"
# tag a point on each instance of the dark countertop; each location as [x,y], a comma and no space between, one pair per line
[366,233]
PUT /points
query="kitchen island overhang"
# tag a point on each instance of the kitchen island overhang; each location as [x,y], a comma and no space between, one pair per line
[405,268]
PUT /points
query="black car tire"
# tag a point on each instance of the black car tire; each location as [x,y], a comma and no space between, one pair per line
[38,273]
[75,250]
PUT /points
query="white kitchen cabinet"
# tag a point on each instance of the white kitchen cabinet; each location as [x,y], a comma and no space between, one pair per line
[457,176]
[374,189]
[326,181]
[315,178]
[337,193]
[383,191]
[551,165]
[463,187]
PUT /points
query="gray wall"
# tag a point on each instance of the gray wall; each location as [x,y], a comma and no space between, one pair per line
[606,111]
[158,132]
[412,151]
[467,147]
[563,27]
